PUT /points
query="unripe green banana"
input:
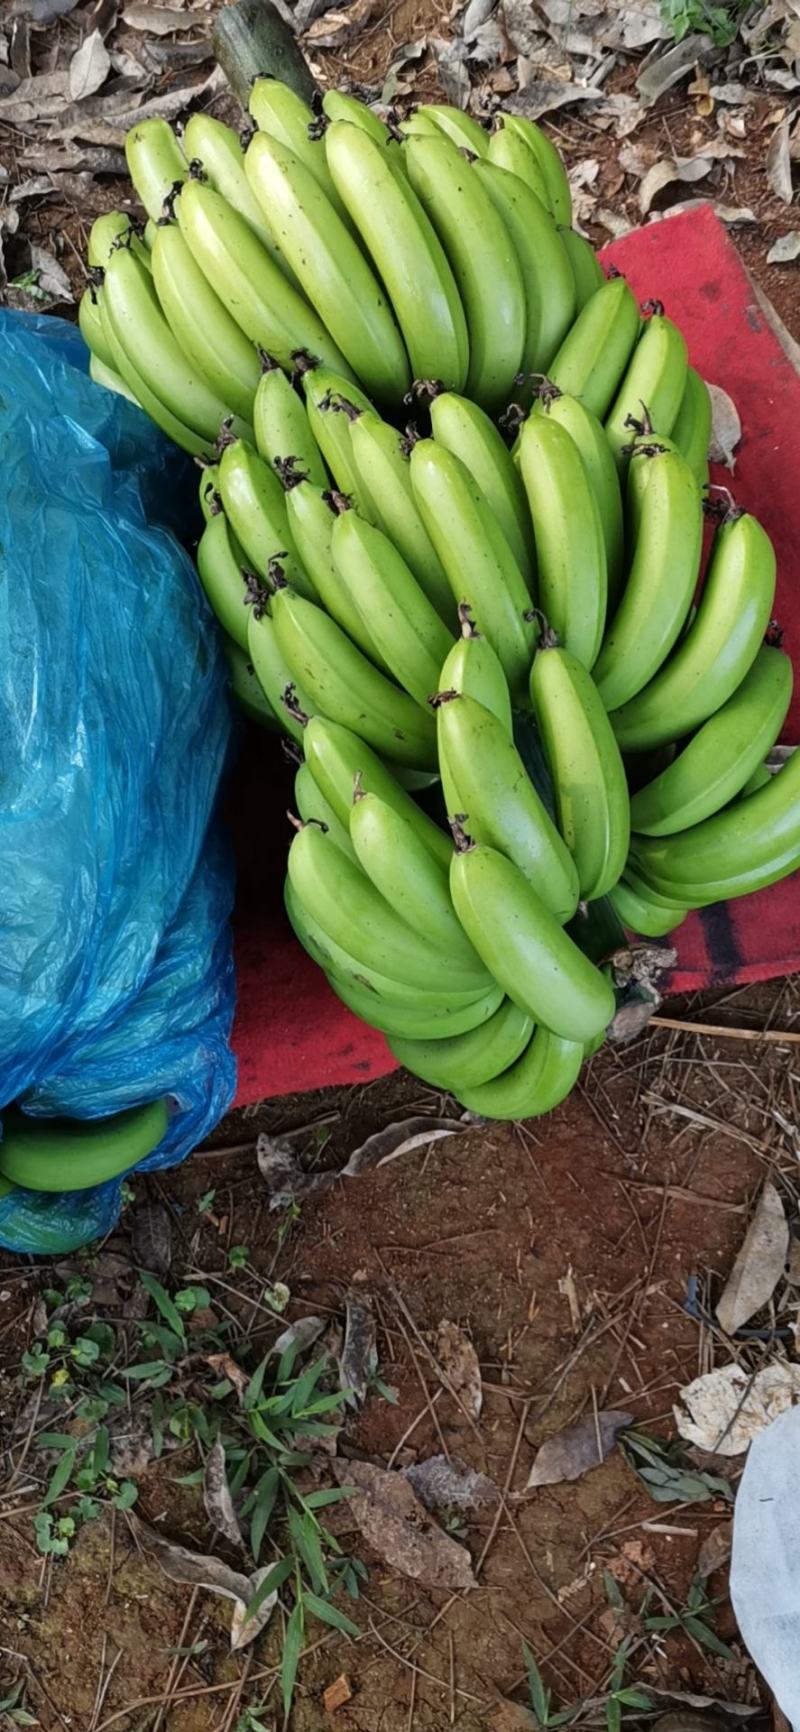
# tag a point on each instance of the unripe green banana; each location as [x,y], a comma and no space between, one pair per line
[661,580]
[293,707]
[278,110]
[218,150]
[394,998]
[667,902]
[497,802]
[416,1021]
[473,669]
[330,266]
[314,808]
[406,629]
[221,573]
[724,754]
[718,650]
[643,446]
[587,271]
[479,564]
[336,756]
[587,770]
[112,381]
[91,326]
[418,125]
[510,151]
[246,690]
[282,428]
[467,1060]
[540,1080]
[139,390]
[74,1154]
[546,272]
[406,251]
[312,513]
[593,357]
[589,435]
[466,430]
[210,339]
[346,687]
[328,395]
[397,862]
[759,779]
[255,291]
[484,264]
[655,381]
[641,914]
[462,129]
[525,948]
[553,172]
[746,847]
[381,464]
[208,492]
[156,163]
[255,507]
[338,106]
[691,429]
[114,228]
[149,233]
[568,532]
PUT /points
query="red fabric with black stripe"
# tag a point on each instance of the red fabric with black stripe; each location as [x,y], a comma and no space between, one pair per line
[291,1034]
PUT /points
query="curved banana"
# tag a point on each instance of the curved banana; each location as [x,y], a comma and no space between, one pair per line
[336,757]
[90,324]
[291,703]
[661,580]
[278,110]
[466,430]
[346,687]
[478,562]
[406,251]
[540,1080]
[497,802]
[655,380]
[419,125]
[589,435]
[245,687]
[249,283]
[547,275]
[137,388]
[416,1021]
[312,514]
[314,808]
[398,864]
[330,267]
[332,402]
[218,150]
[759,779]
[208,492]
[113,229]
[473,669]
[750,844]
[256,510]
[283,430]
[483,260]
[691,429]
[394,998]
[509,150]
[568,532]
[462,129]
[587,770]
[51,1154]
[467,1060]
[553,172]
[587,271]
[643,446]
[339,106]
[406,630]
[224,580]
[156,163]
[722,757]
[719,648]
[595,353]
[640,914]
[113,381]
[523,946]
[210,339]
[383,471]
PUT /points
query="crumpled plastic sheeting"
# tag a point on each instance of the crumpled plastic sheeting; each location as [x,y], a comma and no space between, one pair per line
[116,972]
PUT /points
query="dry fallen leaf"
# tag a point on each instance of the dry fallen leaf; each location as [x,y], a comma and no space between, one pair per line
[576,1450]
[204,1571]
[89,67]
[759,1265]
[397,1527]
[666,171]
[301,1335]
[726,428]
[243,1629]
[725,1409]
[151,1238]
[715,1550]
[158,20]
[228,1367]
[217,1495]
[660,75]
[443,1483]
[785,248]
[358,1362]
[459,1361]
[779,163]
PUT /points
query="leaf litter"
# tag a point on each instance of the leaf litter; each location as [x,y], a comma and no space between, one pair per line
[448,1483]
[358,1362]
[217,1495]
[759,1265]
[201,1570]
[725,1409]
[459,1361]
[575,1451]
[396,1525]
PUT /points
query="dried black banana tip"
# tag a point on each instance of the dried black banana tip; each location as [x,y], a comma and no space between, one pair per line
[466,621]
[302,362]
[423,391]
[275,571]
[225,436]
[168,206]
[247,135]
[512,418]
[359,791]
[318,127]
[774,634]
[255,594]
[723,507]
[215,505]
[293,707]
[410,437]
[337,502]
[293,753]
[653,308]
[267,362]
[436,699]
[462,842]
[196,172]
[95,277]
[340,405]
[545,390]
[123,242]
[288,472]
[640,424]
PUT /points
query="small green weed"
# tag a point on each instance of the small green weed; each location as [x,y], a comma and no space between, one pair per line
[695,1619]
[719,21]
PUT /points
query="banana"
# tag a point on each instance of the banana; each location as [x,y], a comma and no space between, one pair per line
[210,339]
[568,532]
[149,233]
[245,687]
[131,307]
[53,1154]
[336,756]
[462,129]
[540,1080]
[256,510]
[338,106]
[208,491]
[643,446]
[749,845]
[640,914]
[691,428]
[497,802]
[416,1021]
[467,1060]
[294,709]
[759,779]
[473,669]
[398,864]
[655,379]
[278,110]
[406,630]
[137,388]
[595,353]
[478,562]
[311,514]
[282,428]
[587,271]
[395,998]
[589,435]
[553,172]
[523,946]
[332,402]
[661,580]
[217,151]
[91,326]
[647,892]
[547,276]
[249,284]
[483,260]
[586,767]
[111,380]
[114,228]
[224,580]
[724,754]
[346,687]
[720,647]
[466,430]
[156,164]
[330,267]
[406,251]
[313,807]
[510,151]
[418,125]
[383,473]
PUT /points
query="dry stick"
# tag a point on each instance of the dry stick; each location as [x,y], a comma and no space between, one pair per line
[428,1408]
[634,1313]
[412,1702]
[104,1684]
[431,1676]
[720,1032]
[426,1392]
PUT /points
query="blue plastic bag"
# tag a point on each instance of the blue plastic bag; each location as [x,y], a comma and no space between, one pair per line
[116,971]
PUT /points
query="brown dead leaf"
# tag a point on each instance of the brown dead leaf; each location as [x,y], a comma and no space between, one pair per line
[759,1265]
[217,1495]
[397,1527]
[200,1570]
[726,428]
[228,1367]
[151,1238]
[336,1695]
[579,1448]
[715,1550]
[89,67]
[632,1560]
[666,171]
[779,163]
[459,1361]
[243,1629]
[443,1483]
[359,1358]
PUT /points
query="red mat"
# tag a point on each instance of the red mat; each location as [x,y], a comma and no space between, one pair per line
[291,1034]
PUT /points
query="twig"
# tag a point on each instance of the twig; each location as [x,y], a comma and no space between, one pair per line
[428,1408]
[720,1032]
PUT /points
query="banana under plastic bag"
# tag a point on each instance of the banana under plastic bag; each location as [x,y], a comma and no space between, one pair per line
[116,969]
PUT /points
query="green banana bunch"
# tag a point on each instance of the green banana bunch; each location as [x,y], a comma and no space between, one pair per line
[156,164]
[383,486]
[589,435]
[282,428]
[587,271]
[655,379]
[540,1080]
[228,586]
[398,864]
[311,513]
[464,1061]
[218,151]
[638,910]
[54,1154]
[473,669]
[255,507]
[547,275]
[210,339]
[245,687]
[279,111]
[691,429]
[587,770]
[568,533]
[592,359]
[466,430]
[751,844]
[406,629]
